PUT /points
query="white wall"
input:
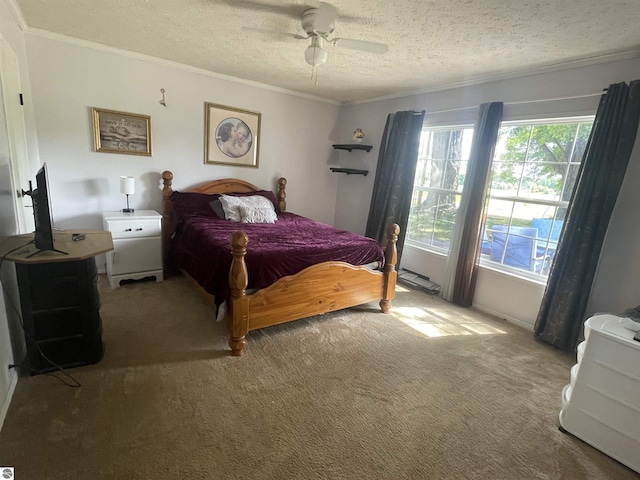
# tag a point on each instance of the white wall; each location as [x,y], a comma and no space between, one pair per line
[525,97]
[70,78]
[617,283]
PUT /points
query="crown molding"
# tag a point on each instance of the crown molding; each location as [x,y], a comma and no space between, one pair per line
[525,72]
[16,11]
[36,32]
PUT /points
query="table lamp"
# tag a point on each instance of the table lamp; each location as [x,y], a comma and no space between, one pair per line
[128,187]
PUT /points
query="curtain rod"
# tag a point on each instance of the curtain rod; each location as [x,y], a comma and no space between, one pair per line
[523,102]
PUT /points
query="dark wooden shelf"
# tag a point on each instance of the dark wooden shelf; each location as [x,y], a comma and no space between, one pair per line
[349,171]
[353,146]
[61,318]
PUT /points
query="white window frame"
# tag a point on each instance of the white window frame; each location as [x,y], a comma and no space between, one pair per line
[485,263]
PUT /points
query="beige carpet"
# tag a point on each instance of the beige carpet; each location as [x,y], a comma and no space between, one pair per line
[430,392]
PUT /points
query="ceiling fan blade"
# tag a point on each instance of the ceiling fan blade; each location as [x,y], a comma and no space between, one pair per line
[325,15]
[292,11]
[275,34]
[361,45]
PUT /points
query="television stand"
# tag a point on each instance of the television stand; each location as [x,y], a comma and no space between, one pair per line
[59,298]
[46,250]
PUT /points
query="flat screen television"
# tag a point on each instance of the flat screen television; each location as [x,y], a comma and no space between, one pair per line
[42,211]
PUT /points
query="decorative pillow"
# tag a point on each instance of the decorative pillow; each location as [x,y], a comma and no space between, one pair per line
[189,203]
[253,214]
[216,206]
[230,205]
[263,193]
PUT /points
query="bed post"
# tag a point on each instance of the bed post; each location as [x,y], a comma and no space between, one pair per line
[389,270]
[238,305]
[282,194]
[168,226]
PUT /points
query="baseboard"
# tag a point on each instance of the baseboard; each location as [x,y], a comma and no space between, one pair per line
[509,319]
[13,381]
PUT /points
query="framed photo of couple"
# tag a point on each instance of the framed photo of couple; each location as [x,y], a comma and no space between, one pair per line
[232,136]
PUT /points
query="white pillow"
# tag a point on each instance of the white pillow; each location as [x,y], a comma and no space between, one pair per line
[253,214]
[231,206]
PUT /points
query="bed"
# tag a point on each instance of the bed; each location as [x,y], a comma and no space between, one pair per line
[249,267]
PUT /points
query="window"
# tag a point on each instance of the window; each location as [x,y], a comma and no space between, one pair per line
[534,169]
[442,164]
[533,173]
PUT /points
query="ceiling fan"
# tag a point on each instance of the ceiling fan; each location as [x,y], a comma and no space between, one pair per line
[318,23]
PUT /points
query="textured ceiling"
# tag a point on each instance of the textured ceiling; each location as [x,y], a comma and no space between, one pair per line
[432,43]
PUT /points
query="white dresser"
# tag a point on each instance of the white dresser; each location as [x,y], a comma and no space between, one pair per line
[601,405]
[137,241]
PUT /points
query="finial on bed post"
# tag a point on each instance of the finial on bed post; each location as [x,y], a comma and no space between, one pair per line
[238,308]
[168,225]
[389,270]
[282,195]
[167,180]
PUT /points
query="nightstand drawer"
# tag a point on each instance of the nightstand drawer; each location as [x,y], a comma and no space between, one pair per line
[134,228]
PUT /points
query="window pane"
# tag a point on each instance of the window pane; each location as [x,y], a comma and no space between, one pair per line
[549,227]
[505,178]
[584,130]
[552,143]
[499,211]
[572,175]
[432,217]
[440,172]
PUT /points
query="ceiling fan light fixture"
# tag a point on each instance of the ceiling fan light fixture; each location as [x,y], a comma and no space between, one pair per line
[315,55]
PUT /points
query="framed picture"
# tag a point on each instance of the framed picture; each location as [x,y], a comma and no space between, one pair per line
[232,136]
[121,132]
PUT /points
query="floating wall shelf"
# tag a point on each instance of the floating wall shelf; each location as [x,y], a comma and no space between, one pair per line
[349,171]
[353,146]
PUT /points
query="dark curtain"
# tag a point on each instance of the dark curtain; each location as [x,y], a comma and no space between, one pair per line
[393,186]
[476,183]
[600,176]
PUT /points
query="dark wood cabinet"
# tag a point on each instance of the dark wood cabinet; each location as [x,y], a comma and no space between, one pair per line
[60,307]
[59,298]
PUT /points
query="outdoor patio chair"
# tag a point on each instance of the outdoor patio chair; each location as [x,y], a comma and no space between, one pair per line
[517,248]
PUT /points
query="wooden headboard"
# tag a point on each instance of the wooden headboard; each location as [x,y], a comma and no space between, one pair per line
[225,185]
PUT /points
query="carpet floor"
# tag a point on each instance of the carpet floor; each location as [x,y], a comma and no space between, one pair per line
[431,391]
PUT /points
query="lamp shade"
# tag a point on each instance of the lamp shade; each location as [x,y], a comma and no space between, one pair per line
[127,185]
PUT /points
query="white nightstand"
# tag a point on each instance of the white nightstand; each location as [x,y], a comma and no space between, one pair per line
[137,241]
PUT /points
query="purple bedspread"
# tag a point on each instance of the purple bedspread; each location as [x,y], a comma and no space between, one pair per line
[202,247]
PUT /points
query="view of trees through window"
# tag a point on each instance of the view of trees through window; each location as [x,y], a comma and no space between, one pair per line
[534,169]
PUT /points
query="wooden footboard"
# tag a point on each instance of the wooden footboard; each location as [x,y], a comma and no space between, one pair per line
[317,289]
